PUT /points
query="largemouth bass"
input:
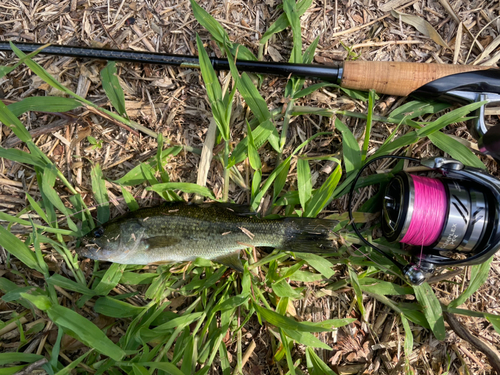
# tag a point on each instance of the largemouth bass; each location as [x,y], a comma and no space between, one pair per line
[178,232]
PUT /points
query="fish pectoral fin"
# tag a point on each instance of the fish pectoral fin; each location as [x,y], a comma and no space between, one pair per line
[161,241]
[231,260]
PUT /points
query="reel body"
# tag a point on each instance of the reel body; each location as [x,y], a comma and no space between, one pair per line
[465,232]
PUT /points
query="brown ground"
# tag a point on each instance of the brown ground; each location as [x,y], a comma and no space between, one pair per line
[172,101]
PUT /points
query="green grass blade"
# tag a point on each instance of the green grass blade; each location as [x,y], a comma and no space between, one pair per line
[253,98]
[400,142]
[432,309]
[262,133]
[21,157]
[48,181]
[34,205]
[456,149]
[160,158]
[408,345]
[357,291]
[282,22]
[44,104]
[209,23]
[495,322]
[214,90]
[280,181]
[115,308]
[185,187]
[129,199]
[224,360]
[318,263]
[304,184]
[415,316]
[189,357]
[12,357]
[449,118]
[17,248]
[45,76]
[41,72]
[366,142]
[415,108]
[253,155]
[100,194]
[135,176]
[111,86]
[72,365]
[306,338]
[324,195]
[308,56]
[283,289]
[168,368]
[315,365]
[288,354]
[383,288]
[290,8]
[4,70]
[350,148]
[479,275]
[181,321]
[258,197]
[68,284]
[85,331]
[284,322]
[12,122]
[110,279]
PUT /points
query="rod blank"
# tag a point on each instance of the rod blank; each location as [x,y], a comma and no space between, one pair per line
[325,73]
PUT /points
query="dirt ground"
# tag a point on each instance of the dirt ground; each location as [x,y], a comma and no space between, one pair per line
[173,101]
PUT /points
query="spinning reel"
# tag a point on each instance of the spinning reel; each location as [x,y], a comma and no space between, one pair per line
[449,221]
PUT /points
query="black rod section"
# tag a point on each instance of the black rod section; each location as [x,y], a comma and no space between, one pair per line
[320,72]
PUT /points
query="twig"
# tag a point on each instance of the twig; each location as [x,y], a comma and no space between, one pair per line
[462,332]
[28,370]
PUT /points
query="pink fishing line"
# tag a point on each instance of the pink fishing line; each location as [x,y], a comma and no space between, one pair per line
[428,213]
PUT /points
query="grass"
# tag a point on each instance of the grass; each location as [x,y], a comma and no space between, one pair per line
[215,304]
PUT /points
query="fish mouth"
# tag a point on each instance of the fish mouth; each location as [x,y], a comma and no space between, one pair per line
[89,249]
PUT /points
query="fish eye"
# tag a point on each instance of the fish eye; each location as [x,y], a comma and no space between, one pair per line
[98,232]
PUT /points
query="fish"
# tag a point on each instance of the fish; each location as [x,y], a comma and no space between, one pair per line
[178,232]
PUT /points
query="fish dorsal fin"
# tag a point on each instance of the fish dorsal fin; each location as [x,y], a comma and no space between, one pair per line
[231,260]
[237,209]
[161,241]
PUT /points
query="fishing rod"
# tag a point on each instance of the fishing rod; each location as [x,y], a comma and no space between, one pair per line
[457,84]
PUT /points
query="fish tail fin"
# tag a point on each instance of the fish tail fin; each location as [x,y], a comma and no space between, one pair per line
[310,235]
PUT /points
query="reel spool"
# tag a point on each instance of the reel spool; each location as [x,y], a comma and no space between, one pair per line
[453,220]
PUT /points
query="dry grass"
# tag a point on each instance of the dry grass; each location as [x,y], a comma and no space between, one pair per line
[173,102]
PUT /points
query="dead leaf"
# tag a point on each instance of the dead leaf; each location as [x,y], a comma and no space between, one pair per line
[164,82]
[274,53]
[393,4]
[421,25]
[446,5]
[80,136]
[492,46]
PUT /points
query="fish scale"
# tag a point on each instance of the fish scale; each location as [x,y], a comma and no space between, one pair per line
[176,232]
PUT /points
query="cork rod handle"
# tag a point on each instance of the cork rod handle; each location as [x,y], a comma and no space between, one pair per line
[396,78]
